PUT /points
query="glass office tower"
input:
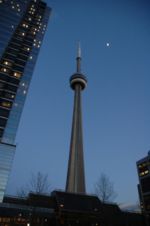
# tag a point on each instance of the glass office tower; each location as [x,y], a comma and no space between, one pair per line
[22,27]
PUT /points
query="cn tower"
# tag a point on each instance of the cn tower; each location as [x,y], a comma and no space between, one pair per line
[75,176]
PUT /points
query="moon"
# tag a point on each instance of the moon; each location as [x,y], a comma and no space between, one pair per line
[107,44]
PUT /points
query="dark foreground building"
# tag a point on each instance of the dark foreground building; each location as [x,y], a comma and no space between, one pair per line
[61,208]
[143,168]
[22,27]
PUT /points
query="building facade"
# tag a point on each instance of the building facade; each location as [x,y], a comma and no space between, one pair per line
[22,27]
[143,168]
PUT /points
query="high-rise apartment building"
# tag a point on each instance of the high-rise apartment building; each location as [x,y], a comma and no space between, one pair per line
[143,168]
[22,27]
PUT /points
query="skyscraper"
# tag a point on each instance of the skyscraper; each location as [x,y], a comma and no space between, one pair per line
[75,176]
[143,168]
[22,27]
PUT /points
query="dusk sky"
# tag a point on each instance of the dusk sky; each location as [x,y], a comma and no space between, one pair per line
[116,102]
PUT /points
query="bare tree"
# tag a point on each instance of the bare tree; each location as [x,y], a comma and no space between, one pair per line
[38,183]
[104,189]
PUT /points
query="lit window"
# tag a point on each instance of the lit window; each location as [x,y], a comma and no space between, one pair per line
[7,63]
[1,1]
[142,174]
[31,57]
[25,25]
[26,48]
[6,104]
[4,69]
[17,74]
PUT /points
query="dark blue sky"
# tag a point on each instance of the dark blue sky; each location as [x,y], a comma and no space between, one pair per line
[116,109]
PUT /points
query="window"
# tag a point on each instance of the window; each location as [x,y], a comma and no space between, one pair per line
[3,122]
[17,74]
[20,62]
[1,132]
[25,25]
[6,104]
[7,63]
[10,88]
[9,79]
[7,95]
[3,69]
[18,68]
[9,56]
[1,85]
[26,48]
[4,112]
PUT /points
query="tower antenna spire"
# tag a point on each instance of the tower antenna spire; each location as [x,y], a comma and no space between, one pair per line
[79,50]
[79,58]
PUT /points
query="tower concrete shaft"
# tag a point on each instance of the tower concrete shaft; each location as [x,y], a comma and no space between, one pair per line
[75,176]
